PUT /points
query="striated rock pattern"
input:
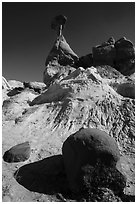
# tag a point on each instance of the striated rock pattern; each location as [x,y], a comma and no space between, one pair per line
[81,99]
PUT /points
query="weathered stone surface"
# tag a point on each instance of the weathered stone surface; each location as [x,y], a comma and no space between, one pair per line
[55,73]
[88,146]
[18,153]
[100,176]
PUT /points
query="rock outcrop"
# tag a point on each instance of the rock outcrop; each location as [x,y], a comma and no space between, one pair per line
[119,54]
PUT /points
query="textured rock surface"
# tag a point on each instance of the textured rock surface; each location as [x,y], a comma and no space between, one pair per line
[91,102]
[55,73]
[18,153]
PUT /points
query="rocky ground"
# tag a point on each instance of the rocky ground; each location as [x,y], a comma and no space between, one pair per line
[89,95]
[46,118]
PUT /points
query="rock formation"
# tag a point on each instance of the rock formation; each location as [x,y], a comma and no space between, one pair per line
[119,54]
[74,101]
[61,54]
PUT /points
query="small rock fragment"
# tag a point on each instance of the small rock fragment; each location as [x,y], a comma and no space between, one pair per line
[18,153]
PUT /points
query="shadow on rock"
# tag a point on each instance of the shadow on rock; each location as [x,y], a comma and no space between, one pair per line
[45,176]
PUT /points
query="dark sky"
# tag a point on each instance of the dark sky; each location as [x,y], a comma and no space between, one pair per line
[27,37]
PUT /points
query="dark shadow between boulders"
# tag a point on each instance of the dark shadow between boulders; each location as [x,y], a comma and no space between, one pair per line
[46,176]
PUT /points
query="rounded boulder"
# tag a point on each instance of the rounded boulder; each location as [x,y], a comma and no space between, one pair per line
[87,147]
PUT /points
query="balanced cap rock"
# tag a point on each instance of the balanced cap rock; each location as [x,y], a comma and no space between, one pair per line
[58,24]
[61,51]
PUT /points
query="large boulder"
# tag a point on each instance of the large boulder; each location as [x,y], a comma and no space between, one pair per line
[92,147]
[125,56]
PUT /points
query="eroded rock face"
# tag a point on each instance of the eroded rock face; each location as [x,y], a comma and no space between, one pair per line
[88,147]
